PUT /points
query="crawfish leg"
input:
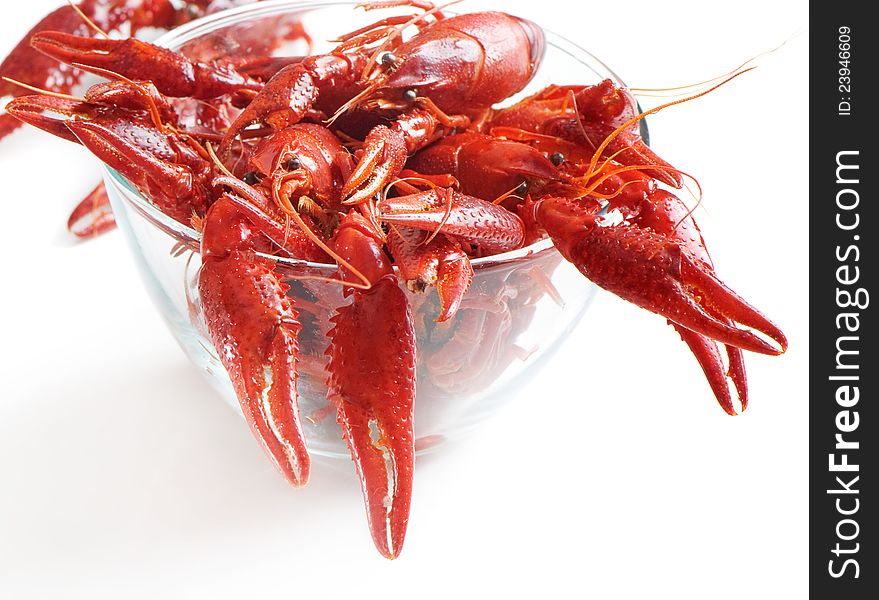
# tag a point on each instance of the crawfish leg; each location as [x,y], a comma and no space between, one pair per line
[492,228]
[93,216]
[440,261]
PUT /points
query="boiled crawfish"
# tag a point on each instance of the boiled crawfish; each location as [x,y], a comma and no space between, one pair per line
[438,176]
[41,60]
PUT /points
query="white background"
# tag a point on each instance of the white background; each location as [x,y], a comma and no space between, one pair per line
[613,475]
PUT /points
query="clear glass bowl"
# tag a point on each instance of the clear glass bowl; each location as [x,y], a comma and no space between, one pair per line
[520,307]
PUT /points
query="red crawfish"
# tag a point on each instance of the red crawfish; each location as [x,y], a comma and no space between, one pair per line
[27,65]
[445,77]
[655,257]
[131,127]
[424,87]
[53,55]
[580,118]
[254,324]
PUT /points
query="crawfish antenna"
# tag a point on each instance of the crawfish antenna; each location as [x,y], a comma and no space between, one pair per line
[747,65]
[593,162]
[397,31]
[394,33]
[87,20]
[216,160]
[41,91]
[353,102]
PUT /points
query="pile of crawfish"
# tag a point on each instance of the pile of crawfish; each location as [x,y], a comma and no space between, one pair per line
[386,152]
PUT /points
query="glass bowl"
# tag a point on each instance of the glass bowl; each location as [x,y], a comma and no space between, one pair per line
[520,307]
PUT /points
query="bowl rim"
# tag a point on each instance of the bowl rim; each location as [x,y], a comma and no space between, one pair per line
[180,35]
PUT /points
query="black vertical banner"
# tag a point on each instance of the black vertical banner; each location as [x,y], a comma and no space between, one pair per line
[844,227]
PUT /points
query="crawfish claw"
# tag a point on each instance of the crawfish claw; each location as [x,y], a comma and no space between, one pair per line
[372,385]
[283,102]
[172,73]
[654,272]
[439,261]
[254,327]
[715,294]
[376,418]
[32,110]
[707,352]
[384,154]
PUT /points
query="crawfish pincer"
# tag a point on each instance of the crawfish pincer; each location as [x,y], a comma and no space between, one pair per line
[655,271]
[372,381]
[254,327]
[24,64]
[429,230]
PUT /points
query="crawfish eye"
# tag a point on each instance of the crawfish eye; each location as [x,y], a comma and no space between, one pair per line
[556,158]
[523,187]
[292,163]
[387,59]
[410,94]
[251,178]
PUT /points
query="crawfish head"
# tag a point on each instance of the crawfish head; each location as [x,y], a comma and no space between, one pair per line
[606,103]
[610,114]
[302,159]
[462,64]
